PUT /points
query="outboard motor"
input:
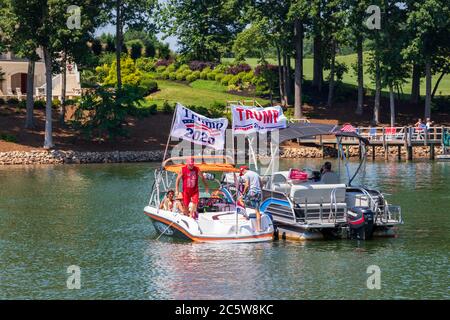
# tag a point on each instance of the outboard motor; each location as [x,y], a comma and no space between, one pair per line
[360,222]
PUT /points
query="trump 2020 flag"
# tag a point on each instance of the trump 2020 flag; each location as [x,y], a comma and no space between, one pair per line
[199,129]
[255,119]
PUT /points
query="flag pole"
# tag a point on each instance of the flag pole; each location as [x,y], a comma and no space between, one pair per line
[168,138]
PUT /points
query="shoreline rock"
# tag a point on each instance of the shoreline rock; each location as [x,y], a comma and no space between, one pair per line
[38,157]
[76,157]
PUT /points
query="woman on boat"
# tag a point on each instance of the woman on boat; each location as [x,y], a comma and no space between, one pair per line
[174,205]
[168,202]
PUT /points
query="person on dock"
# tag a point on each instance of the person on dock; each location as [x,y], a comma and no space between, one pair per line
[419,123]
[252,193]
[327,175]
[189,175]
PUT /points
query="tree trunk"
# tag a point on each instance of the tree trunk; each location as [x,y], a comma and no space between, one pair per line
[318,68]
[359,108]
[376,108]
[118,42]
[285,80]
[62,110]
[331,82]
[428,89]
[436,86]
[298,69]
[289,81]
[280,76]
[392,104]
[415,89]
[48,140]
[29,123]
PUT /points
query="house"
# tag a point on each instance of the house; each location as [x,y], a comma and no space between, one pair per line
[13,82]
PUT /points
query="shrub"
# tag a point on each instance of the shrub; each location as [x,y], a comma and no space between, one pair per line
[183,67]
[248,77]
[219,77]
[167,108]
[226,79]
[39,104]
[173,76]
[165,75]
[162,62]
[234,81]
[180,76]
[8,137]
[172,68]
[135,49]
[212,75]
[191,78]
[102,111]
[161,69]
[236,69]
[148,86]
[200,65]
[146,64]
[22,104]
[150,49]
[204,74]
[221,68]
[56,103]
[70,102]
[12,101]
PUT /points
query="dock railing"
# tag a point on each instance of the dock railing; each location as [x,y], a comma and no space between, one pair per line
[401,135]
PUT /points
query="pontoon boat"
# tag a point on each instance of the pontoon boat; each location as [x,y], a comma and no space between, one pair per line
[309,208]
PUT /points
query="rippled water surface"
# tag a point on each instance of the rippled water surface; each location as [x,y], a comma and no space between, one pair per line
[92,216]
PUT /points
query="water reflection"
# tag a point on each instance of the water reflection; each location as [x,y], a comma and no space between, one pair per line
[55,216]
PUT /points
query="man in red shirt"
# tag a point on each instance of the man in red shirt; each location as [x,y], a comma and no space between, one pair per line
[189,174]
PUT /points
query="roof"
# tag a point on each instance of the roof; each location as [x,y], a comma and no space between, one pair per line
[308,130]
[204,163]
[204,167]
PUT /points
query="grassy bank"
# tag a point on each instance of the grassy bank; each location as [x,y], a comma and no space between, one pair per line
[350,76]
[199,93]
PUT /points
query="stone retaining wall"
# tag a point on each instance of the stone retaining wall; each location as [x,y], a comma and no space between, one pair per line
[353,151]
[77,157]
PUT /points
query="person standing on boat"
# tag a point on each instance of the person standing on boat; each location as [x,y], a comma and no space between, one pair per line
[252,192]
[189,175]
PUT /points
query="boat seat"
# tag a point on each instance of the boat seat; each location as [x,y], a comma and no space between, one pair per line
[317,193]
[282,187]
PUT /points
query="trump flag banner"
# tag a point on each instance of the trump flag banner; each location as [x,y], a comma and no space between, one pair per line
[254,119]
[199,129]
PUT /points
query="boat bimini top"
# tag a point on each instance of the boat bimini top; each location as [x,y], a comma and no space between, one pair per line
[204,163]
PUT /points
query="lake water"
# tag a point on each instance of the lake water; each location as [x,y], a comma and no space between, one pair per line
[91,216]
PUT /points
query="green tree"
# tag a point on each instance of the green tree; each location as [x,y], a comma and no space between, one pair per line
[205,29]
[357,32]
[18,25]
[429,26]
[133,14]
[135,49]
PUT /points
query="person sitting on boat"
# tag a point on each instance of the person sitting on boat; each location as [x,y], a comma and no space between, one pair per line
[189,175]
[179,206]
[327,175]
[252,192]
[168,202]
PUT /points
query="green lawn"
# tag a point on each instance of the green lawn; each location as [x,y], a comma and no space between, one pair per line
[350,76]
[199,93]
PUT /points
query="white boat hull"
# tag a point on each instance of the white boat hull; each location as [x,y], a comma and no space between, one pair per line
[213,227]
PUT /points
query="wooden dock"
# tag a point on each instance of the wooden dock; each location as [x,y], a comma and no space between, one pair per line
[400,137]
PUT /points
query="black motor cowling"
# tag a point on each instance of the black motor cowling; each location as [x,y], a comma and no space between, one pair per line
[360,222]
